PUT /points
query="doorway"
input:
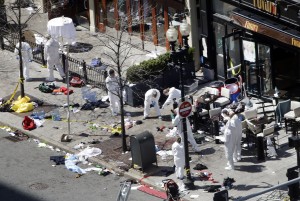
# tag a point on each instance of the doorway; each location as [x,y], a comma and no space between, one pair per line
[250,60]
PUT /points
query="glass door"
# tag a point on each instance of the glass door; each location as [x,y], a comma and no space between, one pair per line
[232,55]
[258,71]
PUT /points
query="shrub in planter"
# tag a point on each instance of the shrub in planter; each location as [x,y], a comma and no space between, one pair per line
[150,69]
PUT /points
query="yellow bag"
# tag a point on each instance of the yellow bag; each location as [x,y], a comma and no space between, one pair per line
[25,99]
[22,105]
[25,107]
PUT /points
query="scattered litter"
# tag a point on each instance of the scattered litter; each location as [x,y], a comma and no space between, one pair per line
[59,160]
[70,162]
[6,128]
[38,122]
[90,152]
[79,146]
[12,134]
[228,182]
[65,138]
[194,196]
[172,132]
[36,141]
[42,145]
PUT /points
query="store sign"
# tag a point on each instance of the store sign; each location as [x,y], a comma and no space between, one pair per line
[266,30]
[251,26]
[264,5]
[295,42]
[267,6]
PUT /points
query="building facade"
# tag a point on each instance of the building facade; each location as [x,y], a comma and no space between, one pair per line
[258,40]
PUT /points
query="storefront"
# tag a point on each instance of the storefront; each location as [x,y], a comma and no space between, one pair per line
[258,40]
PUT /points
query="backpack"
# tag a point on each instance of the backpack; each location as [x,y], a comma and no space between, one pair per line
[76,82]
[47,88]
[96,62]
[28,123]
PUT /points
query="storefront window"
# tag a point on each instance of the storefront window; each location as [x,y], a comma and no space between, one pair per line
[222,8]
[219,33]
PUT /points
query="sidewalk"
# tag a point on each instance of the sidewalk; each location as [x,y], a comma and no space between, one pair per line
[251,176]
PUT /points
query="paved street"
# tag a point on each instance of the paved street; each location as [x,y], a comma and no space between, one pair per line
[27,174]
[251,175]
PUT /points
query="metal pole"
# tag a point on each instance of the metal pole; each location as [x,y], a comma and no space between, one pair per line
[188,182]
[20,52]
[269,189]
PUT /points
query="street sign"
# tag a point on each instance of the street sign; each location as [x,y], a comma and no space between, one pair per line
[185,109]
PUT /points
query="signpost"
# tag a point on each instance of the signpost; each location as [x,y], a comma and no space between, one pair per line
[185,109]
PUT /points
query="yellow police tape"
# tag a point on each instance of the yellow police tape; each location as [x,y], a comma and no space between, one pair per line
[14,93]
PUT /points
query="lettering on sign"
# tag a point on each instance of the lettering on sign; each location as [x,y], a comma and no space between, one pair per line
[267,6]
[251,26]
[295,42]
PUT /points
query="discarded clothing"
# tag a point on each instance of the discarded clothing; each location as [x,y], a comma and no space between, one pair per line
[59,160]
[200,167]
[93,105]
[212,188]
[90,152]
[228,182]
[70,163]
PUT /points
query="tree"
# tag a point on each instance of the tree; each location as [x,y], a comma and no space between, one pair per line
[118,54]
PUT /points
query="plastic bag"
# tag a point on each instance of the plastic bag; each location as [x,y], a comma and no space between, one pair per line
[22,105]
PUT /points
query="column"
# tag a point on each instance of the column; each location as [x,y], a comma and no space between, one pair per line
[92,16]
[166,25]
[154,23]
[194,38]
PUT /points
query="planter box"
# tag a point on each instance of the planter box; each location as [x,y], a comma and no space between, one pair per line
[135,94]
[190,86]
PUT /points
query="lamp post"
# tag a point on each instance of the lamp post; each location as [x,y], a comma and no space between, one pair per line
[179,57]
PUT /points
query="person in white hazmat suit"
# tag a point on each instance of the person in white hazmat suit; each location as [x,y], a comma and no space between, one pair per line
[232,138]
[173,94]
[151,100]
[179,158]
[27,57]
[177,121]
[51,53]
[112,85]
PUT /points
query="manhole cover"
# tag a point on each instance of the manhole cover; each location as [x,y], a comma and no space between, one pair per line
[38,186]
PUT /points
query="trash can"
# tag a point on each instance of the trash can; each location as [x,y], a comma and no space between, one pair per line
[292,173]
[143,150]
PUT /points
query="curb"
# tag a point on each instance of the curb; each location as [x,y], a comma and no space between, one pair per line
[131,173]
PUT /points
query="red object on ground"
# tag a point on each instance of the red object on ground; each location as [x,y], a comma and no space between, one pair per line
[153,192]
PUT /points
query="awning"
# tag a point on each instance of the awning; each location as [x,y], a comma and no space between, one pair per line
[266,27]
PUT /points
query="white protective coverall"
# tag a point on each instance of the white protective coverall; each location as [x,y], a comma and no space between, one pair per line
[51,53]
[177,121]
[113,91]
[26,57]
[173,94]
[149,99]
[179,159]
[232,133]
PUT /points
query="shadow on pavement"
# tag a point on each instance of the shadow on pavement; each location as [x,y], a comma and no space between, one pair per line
[10,194]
